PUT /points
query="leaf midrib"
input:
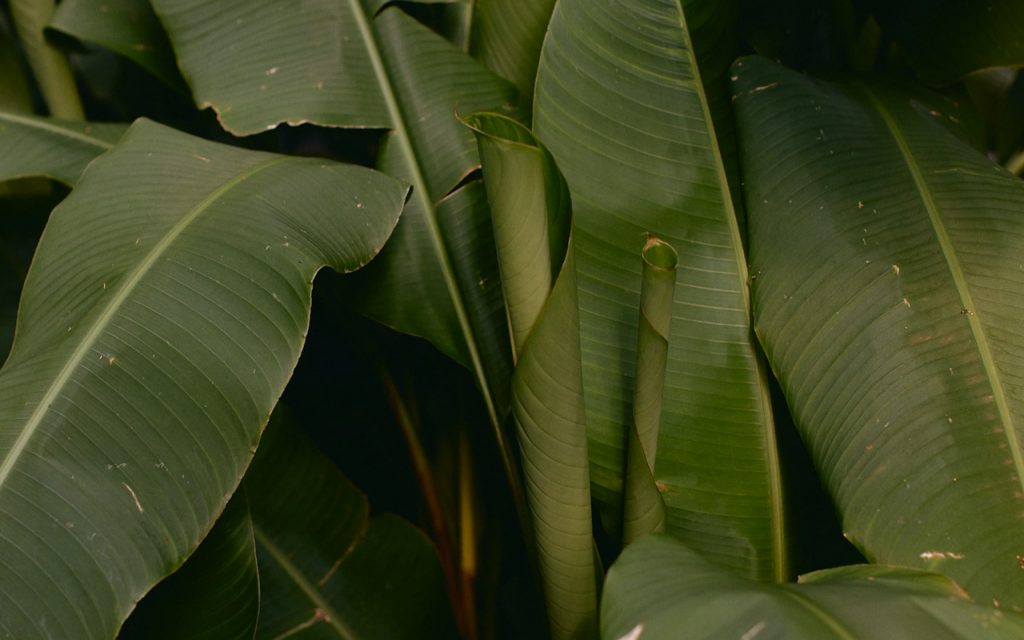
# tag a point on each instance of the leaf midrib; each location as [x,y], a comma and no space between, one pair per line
[54,129]
[300,580]
[780,560]
[113,307]
[959,280]
[421,193]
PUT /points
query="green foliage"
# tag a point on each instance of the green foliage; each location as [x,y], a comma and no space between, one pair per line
[621,289]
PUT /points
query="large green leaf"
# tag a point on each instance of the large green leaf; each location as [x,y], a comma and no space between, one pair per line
[619,105]
[60,149]
[507,37]
[888,292]
[428,82]
[159,323]
[128,27]
[258,63]
[948,39]
[219,586]
[661,589]
[327,569]
[391,72]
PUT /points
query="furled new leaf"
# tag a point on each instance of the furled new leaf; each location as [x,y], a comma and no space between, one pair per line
[547,403]
[888,296]
[623,112]
[661,590]
[530,205]
[32,146]
[327,569]
[159,323]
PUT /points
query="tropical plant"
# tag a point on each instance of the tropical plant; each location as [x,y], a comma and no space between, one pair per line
[637,311]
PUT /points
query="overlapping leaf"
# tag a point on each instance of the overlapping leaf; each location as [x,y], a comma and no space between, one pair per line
[218,587]
[660,589]
[623,113]
[530,203]
[159,323]
[128,27]
[888,295]
[60,149]
[326,568]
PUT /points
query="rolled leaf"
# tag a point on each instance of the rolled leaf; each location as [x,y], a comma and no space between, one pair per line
[547,403]
[643,508]
[888,289]
[660,589]
[624,115]
[529,203]
[159,323]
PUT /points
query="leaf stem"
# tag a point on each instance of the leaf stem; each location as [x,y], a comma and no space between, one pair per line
[49,65]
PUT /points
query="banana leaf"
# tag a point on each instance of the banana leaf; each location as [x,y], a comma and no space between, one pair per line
[660,589]
[34,146]
[886,253]
[624,114]
[127,27]
[327,569]
[160,321]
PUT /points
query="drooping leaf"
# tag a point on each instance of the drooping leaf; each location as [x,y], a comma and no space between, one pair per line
[660,589]
[49,65]
[625,118]
[948,39]
[259,63]
[327,570]
[33,146]
[159,323]
[400,76]
[888,291]
[127,27]
[215,595]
